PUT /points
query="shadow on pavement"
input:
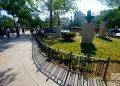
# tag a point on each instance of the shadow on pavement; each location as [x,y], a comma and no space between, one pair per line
[6,77]
[7,43]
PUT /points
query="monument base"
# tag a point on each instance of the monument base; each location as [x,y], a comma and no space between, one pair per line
[58,30]
[102,30]
[88,33]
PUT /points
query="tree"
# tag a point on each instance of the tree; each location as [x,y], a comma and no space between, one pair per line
[113,17]
[37,22]
[46,23]
[57,7]
[6,21]
[111,3]
[18,8]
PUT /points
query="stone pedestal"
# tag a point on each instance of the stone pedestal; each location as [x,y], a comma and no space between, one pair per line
[102,29]
[58,30]
[88,33]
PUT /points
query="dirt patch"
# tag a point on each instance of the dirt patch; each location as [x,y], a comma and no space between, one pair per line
[113,68]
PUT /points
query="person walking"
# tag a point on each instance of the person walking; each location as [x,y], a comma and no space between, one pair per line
[31,31]
[17,32]
[8,33]
[23,30]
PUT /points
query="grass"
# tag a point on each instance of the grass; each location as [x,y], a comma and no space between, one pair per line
[101,48]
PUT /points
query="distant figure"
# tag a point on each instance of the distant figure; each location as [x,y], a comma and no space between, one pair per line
[8,33]
[12,31]
[1,32]
[17,32]
[4,32]
[31,31]
[23,30]
[40,33]
[115,30]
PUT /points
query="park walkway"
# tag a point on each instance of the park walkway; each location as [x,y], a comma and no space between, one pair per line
[16,65]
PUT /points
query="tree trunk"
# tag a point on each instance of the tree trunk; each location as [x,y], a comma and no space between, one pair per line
[14,21]
[51,16]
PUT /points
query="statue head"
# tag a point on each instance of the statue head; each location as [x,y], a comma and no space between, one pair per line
[89,13]
[89,17]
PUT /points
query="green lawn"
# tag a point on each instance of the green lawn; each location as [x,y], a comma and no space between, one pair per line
[101,48]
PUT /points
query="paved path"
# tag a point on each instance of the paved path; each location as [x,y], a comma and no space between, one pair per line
[16,65]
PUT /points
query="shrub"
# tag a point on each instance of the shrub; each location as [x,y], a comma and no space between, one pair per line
[68,35]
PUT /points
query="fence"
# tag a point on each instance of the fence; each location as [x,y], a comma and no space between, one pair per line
[75,63]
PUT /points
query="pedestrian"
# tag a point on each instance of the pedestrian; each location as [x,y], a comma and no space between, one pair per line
[4,32]
[8,33]
[23,30]
[12,31]
[31,31]
[17,32]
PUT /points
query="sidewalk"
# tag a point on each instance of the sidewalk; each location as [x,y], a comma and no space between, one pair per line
[16,65]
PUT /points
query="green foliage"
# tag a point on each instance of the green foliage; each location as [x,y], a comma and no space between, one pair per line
[97,20]
[111,3]
[6,22]
[113,18]
[21,9]
[37,22]
[24,22]
[59,6]
[68,35]
[46,23]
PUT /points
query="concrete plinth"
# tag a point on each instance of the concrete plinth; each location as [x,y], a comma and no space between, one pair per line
[102,30]
[58,30]
[88,33]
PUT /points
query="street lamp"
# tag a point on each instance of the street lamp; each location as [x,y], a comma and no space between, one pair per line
[71,24]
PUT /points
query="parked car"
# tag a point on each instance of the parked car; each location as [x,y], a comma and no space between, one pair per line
[113,31]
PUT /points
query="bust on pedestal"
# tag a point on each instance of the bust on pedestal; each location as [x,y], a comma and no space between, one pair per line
[88,29]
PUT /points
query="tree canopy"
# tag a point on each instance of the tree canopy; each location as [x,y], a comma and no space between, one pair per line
[111,3]
[57,8]
[6,21]
[18,8]
[24,10]
[113,15]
